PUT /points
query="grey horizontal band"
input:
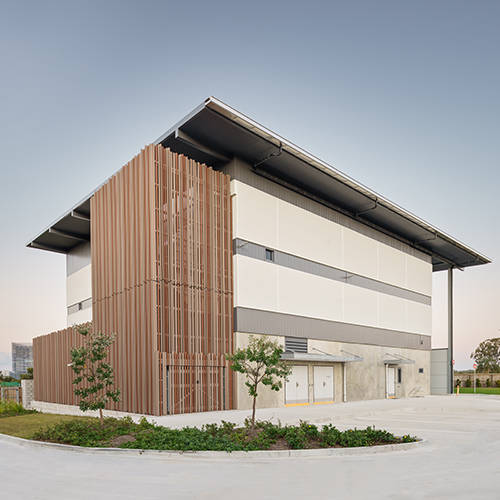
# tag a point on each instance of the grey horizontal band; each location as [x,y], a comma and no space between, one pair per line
[256,251]
[80,306]
[273,323]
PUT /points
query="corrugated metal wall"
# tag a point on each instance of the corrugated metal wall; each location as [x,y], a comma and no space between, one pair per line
[162,281]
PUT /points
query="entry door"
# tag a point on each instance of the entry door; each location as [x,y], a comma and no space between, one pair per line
[391,382]
[323,384]
[296,389]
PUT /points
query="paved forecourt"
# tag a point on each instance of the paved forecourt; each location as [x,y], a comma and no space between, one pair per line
[458,460]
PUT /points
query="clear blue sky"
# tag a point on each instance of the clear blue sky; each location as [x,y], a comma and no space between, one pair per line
[402,96]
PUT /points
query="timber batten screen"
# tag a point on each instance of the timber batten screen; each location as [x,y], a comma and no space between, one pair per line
[162,281]
[52,377]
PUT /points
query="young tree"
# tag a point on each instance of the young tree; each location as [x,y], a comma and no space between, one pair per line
[260,362]
[94,375]
[487,356]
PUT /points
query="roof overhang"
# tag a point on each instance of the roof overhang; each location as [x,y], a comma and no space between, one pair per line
[399,361]
[322,357]
[213,133]
[70,230]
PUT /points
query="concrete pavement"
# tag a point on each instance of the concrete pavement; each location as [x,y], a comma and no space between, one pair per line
[461,459]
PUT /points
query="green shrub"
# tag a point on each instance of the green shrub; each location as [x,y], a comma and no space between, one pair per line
[330,436]
[28,375]
[478,383]
[11,408]
[86,432]
[497,383]
[468,383]
[221,437]
[488,382]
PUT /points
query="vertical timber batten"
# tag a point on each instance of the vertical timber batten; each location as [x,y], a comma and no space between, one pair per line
[162,282]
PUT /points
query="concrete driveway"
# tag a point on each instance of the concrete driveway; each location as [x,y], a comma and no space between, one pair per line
[460,459]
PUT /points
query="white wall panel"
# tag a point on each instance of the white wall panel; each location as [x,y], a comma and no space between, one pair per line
[79,286]
[419,318]
[308,235]
[360,254]
[256,284]
[83,316]
[418,275]
[392,312]
[391,265]
[308,295]
[268,220]
[360,306]
[255,216]
[267,286]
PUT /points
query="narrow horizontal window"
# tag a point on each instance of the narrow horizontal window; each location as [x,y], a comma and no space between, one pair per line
[269,255]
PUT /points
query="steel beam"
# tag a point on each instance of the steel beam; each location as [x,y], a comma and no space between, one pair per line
[190,141]
[80,216]
[450,330]
[67,234]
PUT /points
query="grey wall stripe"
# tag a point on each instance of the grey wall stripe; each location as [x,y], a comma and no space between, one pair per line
[273,323]
[256,251]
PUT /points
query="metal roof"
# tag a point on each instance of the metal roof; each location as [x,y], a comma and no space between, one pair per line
[214,133]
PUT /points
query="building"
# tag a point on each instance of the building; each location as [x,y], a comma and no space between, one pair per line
[221,229]
[22,358]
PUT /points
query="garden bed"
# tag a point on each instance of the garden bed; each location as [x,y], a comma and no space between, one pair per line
[124,433]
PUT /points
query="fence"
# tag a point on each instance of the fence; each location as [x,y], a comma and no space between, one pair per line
[11,393]
[481,377]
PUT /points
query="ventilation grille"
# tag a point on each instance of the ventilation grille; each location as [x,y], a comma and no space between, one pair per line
[294,344]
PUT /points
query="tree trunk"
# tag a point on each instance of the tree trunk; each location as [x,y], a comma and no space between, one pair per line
[100,416]
[253,411]
[253,407]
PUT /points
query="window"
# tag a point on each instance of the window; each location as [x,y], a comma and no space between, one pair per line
[270,255]
[420,370]
[399,375]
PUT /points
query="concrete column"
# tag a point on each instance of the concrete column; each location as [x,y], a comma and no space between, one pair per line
[450,330]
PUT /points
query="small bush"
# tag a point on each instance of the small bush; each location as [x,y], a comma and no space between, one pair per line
[87,432]
[468,383]
[497,383]
[478,383]
[488,382]
[28,375]
[11,408]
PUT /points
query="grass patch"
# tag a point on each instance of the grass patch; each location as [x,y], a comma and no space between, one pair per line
[479,390]
[124,433]
[25,426]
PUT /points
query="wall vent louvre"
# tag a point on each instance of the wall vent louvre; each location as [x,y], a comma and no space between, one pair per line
[295,344]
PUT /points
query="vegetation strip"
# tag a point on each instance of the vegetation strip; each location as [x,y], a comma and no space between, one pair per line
[124,433]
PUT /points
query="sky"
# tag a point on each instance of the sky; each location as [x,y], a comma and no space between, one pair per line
[402,96]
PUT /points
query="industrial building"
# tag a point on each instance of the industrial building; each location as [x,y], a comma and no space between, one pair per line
[220,229]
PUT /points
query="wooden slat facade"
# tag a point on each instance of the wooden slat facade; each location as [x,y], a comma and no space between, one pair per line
[161,253]
[52,377]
